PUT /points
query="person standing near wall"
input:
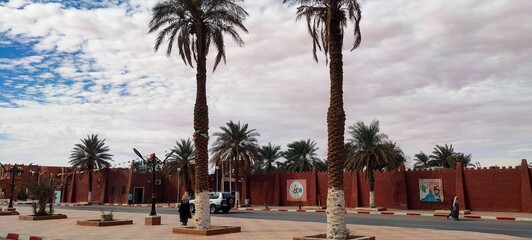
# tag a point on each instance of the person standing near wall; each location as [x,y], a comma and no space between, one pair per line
[130,199]
[455,209]
[184,210]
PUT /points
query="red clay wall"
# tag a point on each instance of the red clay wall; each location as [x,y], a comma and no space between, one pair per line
[322,187]
[493,189]
[262,189]
[82,182]
[118,181]
[483,189]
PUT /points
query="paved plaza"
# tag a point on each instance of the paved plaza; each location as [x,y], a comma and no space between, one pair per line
[251,228]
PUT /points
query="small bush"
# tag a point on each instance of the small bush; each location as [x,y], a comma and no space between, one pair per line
[41,193]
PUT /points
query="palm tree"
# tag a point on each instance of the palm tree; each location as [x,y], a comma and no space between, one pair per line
[90,154]
[181,162]
[422,160]
[464,159]
[268,155]
[326,20]
[197,24]
[236,145]
[373,151]
[444,156]
[321,165]
[396,152]
[301,156]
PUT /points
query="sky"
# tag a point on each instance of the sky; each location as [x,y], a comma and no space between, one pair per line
[432,72]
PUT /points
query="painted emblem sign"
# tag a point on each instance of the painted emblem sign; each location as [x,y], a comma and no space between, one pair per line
[297,190]
[431,190]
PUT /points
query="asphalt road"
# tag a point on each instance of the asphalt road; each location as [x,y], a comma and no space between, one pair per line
[512,228]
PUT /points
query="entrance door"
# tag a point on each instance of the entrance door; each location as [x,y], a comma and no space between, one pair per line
[57,198]
[139,195]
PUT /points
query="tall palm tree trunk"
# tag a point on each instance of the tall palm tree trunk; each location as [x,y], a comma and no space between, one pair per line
[336,228]
[371,183]
[89,198]
[201,123]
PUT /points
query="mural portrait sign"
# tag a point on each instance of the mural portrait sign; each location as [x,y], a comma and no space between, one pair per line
[297,190]
[431,190]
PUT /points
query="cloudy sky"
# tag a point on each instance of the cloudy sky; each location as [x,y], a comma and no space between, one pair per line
[432,72]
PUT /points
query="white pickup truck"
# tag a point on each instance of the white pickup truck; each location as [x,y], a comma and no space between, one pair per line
[218,201]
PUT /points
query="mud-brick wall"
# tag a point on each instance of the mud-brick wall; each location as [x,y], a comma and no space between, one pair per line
[144,180]
[262,189]
[82,186]
[493,189]
[117,191]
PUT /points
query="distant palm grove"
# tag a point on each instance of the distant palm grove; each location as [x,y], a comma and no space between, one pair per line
[366,148]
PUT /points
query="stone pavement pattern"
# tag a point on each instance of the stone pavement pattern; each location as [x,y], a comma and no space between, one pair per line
[251,228]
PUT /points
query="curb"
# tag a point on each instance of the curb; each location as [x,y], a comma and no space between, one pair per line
[16,236]
[391,213]
[499,218]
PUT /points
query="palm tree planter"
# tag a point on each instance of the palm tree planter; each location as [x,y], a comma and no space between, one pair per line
[41,193]
[100,223]
[8,213]
[213,230]
[324,236]
[107,219]
[43,217]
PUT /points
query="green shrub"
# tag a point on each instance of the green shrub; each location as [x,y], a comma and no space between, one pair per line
[41,193]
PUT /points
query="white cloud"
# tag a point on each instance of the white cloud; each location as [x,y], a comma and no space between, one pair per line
[431,72]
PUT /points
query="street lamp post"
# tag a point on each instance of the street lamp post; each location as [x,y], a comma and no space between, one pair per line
[14,170]
[153,160]
[216,172]
[178,183]
[223,177]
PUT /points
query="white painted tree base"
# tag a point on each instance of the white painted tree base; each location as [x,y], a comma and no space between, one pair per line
[336,228]
[89,200]
[203,216]
[372,199]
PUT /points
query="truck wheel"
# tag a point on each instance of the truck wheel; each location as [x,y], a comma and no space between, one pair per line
[192,208]
[213,209]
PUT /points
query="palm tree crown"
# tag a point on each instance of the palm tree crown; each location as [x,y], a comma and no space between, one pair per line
[301,156]
[194,22]
[235,144]
[90,154]
[268,156]
[422,160]
[371,152]
[181,161]
[444,156]
[318,14]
